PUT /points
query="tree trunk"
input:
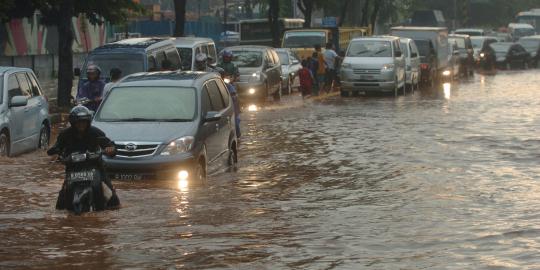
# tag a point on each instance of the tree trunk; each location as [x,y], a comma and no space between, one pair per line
[365,11]
[343,14]
[306,7]
[249,9]
[180,13]
[65,53]
[374,15]
[273,19]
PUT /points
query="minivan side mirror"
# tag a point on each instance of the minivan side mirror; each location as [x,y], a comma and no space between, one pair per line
[77,72]
[212,117]
[18,101]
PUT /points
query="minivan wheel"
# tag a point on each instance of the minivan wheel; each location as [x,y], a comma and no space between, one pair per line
[233,157]
[200,173]
[4,145]
[44,137]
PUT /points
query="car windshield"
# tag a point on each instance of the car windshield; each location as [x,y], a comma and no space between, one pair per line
[152,104]
[283,58]
[500,48]
[186,54]
[423,47]
[247,59]
[127,63]
[304,39]
[523,32]
[530,44]
[370,48]
[459,41]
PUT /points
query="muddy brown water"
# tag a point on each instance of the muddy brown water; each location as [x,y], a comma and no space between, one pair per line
[443,179]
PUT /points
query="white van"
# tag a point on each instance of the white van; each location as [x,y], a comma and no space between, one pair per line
[189,47]
[519,30]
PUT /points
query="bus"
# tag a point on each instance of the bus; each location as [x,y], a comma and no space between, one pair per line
[258,31]
[531,17]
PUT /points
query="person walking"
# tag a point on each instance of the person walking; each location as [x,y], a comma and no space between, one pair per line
[320,75]
[330,58]
[313,65]
[306,79]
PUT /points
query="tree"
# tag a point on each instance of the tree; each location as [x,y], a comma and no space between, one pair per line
[306,7]
[180,13]
[273,19]
[60,13]
[343,13]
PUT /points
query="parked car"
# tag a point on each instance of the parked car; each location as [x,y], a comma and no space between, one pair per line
[130,56]
[479,43]
[519,30]
[189,47]
[428,56]
[373,64]
[532,45]
[412,63]
[24,112]
[454,63]
[466,53]
[260,72]
[169,124]
[511,55]
[473,32]
[290,65]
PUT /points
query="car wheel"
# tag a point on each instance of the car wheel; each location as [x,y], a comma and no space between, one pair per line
[200,173]
[277,94]
[44,137]
[233,156]
[4,145]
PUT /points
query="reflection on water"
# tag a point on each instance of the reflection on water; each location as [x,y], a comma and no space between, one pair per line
[416,182]
[253,108]
[447,88]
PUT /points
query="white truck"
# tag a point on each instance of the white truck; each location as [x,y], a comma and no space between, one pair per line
[439,38]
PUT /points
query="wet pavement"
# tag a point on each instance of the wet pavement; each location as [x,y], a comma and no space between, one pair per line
[443,179]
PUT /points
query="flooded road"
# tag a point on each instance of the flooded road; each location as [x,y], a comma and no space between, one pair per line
[446,179]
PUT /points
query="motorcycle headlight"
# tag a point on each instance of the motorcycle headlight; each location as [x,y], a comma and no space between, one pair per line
[180,145]
[388,67]
[482,55]
[227,80]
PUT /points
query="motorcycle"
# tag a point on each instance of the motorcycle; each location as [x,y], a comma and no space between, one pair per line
[85,190]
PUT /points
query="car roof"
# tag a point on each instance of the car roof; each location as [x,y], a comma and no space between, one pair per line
[530,37]
[470,30]
[167,79]
[191,41]
[458,36]
[136,43]
[4,69]
[414,28]
[383,38]
[521,25]
[248,48]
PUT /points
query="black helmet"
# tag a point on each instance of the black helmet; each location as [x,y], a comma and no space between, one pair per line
[80,113]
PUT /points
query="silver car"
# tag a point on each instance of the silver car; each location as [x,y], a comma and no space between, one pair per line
[290,65]
[24,112]
[373,64]
[412,63]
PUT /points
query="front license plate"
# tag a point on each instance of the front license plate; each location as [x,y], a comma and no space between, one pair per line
[82,176]
[128,176]
[367,77]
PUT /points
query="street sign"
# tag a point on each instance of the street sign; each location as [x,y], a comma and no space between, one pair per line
[329,21]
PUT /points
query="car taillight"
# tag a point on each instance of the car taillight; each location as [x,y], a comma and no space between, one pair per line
[424,66]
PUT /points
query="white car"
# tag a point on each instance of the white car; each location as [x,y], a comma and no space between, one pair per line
[24,112]
[290,65]
[412,63]
[373,64]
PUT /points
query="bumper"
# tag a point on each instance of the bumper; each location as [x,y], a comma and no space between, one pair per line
[155,167]
[368,86]
[382,82]
[248,90]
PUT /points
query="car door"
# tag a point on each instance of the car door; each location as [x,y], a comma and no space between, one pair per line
[209,130]
[415,60]
[16,116]
[31,128]
[218,105]
[41,105]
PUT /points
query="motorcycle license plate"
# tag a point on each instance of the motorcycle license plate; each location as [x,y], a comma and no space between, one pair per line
[82,176]
[128,176]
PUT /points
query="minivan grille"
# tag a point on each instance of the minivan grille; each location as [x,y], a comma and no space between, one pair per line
[136,150]
[367,71]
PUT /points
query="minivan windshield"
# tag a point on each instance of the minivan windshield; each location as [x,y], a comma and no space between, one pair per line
[530,44]
[247,59]
[370,48]
[283,58]
[149,104]
[127,63]
[306,39]
[186,54]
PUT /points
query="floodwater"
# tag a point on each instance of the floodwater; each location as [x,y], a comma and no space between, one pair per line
[445,179]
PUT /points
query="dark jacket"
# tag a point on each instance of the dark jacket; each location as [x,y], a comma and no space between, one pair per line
[92,90]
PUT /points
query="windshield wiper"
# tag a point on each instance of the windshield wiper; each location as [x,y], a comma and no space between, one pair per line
[380,51]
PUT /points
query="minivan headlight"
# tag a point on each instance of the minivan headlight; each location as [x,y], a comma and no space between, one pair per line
[346,66]
[180,145]
[388,67]
[256,76]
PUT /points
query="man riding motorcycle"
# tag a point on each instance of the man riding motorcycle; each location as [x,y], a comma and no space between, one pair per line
[231,70]
[82,137]
[201,64]
[92,90]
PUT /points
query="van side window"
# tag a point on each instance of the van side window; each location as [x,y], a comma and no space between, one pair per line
[172,55]
[152,63]
[204,49]
[25,85]
[160,56]
[212,53]
[14,89]
[224,93]
[215,96]
[35,86]
[206,105]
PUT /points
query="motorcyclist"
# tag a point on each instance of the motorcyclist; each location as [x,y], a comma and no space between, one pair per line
[201,63]
[236,102]
[488,57]
[231,70]
[81,136]
[93,88]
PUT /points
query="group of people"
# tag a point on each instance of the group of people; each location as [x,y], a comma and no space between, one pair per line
[319,72]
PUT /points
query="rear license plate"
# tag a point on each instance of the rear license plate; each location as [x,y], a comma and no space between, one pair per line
[82,176]
[128,176]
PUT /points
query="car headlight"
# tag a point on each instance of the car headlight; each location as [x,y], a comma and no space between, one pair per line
[346,66]
[227,80]
[256,76]
[446,73]
[388,67]
[180,145]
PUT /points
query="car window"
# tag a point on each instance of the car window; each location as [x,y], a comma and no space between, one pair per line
[205,102]
[275,57]
[34,85]
[24,85]
[13,87]
[204,49]
[160,56]
[212,52]
[128,63]
[283,58]
[224,93]
[152,63]
[172,55]
[215,96]
[414,49]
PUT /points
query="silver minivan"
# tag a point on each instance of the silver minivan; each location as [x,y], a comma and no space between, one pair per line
[24,112]
[412,63]
[373,64]
[189,47]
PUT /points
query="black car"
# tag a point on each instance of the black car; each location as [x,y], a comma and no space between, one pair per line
[511,55]
[532,45]
[466,53]
[169,125]
[428,58]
